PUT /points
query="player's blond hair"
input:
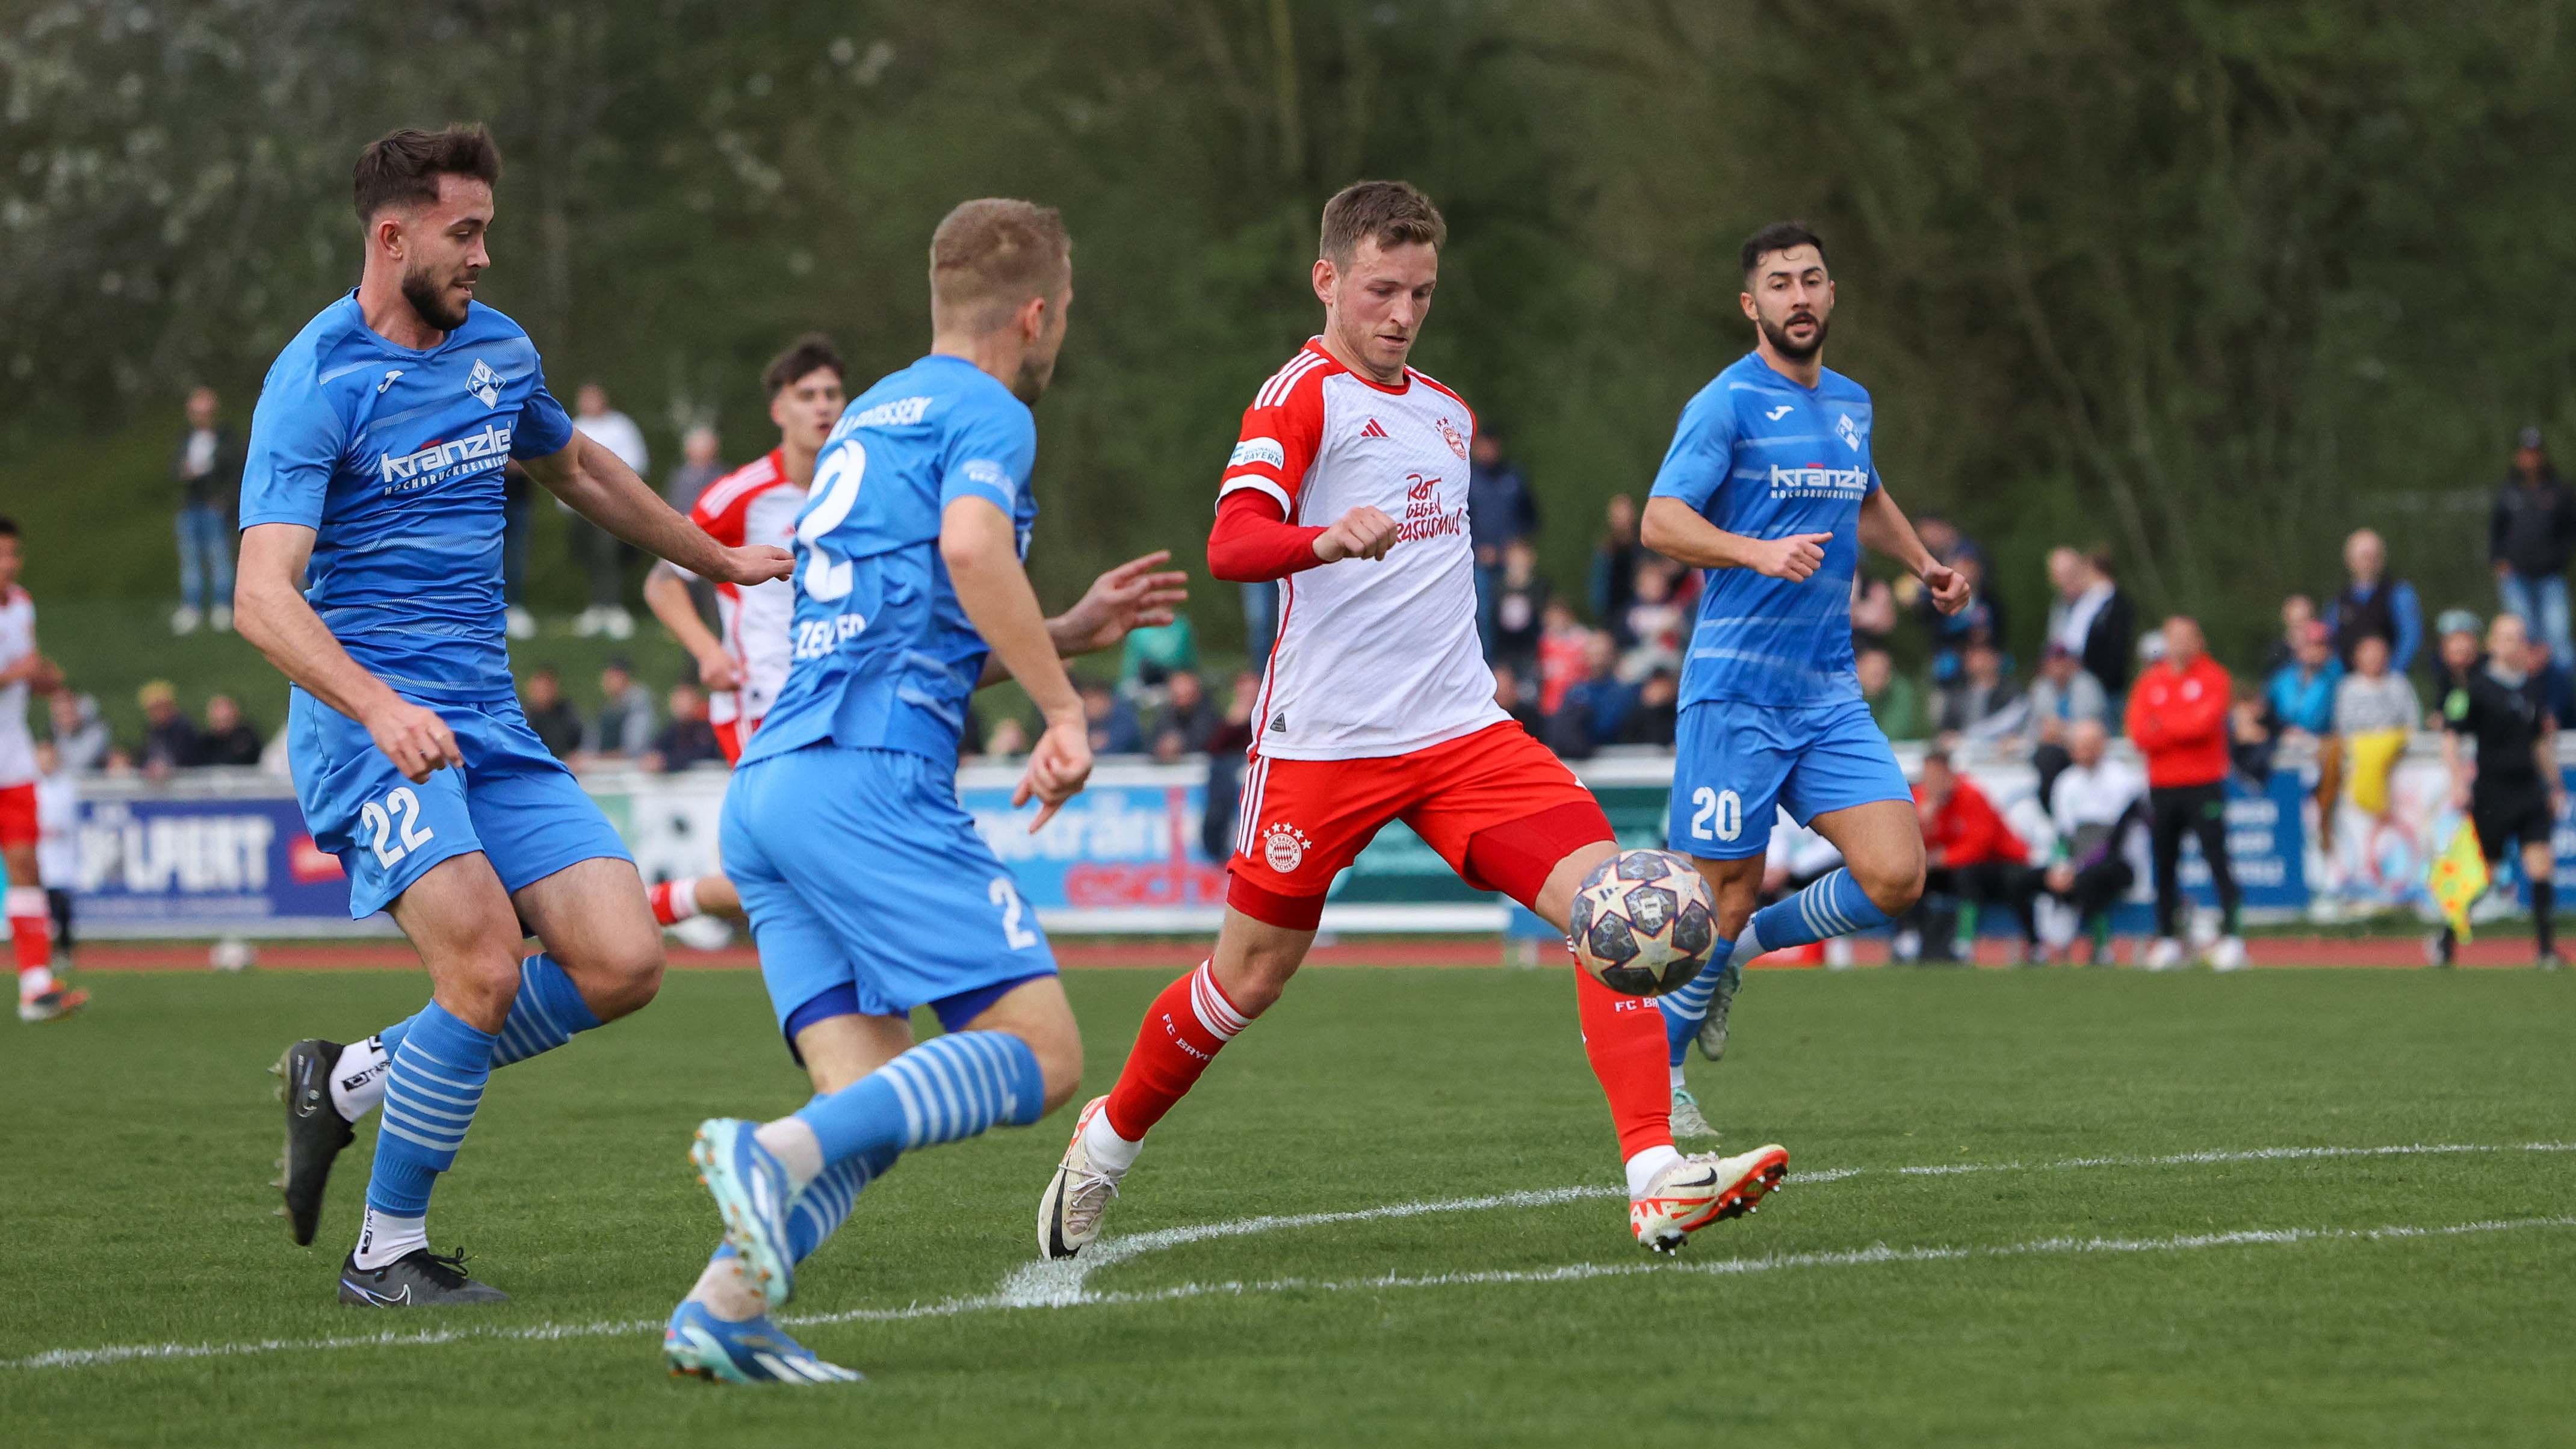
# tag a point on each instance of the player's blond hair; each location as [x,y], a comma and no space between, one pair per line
[1390,213]
[989,256]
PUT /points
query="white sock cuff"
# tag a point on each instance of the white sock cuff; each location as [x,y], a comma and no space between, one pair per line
[1109,1151]
[1643,1167]
[684,897]
[24,902]
[1208,1003]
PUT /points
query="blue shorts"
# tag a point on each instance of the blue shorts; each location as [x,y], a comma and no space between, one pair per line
[862,873]
[1733,762]
[514,801]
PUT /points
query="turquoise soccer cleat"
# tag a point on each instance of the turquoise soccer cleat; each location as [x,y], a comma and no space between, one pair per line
[750,1189]
[700,1345]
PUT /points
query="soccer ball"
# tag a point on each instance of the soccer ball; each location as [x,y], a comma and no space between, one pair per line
[1643,922]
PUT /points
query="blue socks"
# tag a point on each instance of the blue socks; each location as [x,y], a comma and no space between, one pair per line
[1832,906]
[945,1089]
[1687,1007]
[549,1011]
[434,1085]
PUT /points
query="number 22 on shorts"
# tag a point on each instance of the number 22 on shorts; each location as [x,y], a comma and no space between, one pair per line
[393,828]
[1006,895]
[1716,814]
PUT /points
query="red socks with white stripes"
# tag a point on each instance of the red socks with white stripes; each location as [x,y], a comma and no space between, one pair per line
[1182,1031]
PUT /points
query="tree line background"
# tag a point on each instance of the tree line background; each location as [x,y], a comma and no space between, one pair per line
[2204,284]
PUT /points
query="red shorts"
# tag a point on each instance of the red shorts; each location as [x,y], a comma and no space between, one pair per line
[18,815]
[732,735]
[1303,820]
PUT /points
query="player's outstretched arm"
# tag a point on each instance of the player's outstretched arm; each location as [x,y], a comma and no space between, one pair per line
[1676,530]
[668,597]
[980,545]
[1885,529]
[598,485]
[269,610]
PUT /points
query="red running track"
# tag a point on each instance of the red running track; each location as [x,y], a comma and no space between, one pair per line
[1181,954]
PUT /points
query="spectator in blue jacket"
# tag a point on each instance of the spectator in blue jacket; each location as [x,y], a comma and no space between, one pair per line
[2302,692]
[1500,511]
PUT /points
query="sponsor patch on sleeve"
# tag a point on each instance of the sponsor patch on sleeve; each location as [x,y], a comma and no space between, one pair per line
[991,475]
[1258,450]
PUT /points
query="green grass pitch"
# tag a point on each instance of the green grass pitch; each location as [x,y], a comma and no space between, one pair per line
[2049,1297]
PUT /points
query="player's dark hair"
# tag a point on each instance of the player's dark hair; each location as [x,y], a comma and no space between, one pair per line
[8,526]
[1779,236]
[403,169]
[1390,213]
[808,354]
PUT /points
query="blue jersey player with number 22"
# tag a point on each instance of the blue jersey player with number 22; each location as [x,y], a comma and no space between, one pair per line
[1770,487]
[371,518]
[869,891]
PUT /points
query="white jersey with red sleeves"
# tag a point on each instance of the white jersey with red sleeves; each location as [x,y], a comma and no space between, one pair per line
[1372,658]
[17,641]
[755,503]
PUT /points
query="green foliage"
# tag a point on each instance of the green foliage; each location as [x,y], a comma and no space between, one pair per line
[2207,284]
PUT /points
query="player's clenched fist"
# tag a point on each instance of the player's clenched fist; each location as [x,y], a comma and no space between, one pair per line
[1364,532]
[1059,766]
[1949,588]
[757,564]
[1792,558]
[415,739]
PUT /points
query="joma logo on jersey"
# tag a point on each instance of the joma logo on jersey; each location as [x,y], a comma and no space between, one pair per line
[1814,481]
[433,463]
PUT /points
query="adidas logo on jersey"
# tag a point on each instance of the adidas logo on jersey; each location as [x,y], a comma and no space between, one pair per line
[1373,430]
[1279,723]
[484,383]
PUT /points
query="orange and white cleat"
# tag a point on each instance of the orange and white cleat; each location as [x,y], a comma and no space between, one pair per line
[1697,1191]
[54,1005]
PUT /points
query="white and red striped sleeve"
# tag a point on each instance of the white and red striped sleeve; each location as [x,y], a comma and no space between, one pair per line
[1281,431]
[725,512]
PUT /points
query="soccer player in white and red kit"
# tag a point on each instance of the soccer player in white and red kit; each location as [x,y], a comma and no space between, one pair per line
[755,503]
[1349,486]
[24,670]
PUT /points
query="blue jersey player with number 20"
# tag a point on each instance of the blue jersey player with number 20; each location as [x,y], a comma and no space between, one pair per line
[371,518]
[869,891]
[1770,487]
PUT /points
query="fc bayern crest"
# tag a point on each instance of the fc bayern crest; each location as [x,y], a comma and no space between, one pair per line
[1283,846]
[1457,441]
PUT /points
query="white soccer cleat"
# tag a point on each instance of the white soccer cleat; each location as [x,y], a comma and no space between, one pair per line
[2228,954]
[2167,954]
[1688,1120]
[1697,1191]
[1078,1196]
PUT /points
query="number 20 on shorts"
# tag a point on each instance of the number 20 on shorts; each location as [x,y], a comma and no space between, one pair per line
[393,828]
[1716,814]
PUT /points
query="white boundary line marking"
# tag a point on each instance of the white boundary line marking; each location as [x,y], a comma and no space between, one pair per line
[1061,1285]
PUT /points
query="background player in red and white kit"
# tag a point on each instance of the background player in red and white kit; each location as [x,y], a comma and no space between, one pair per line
[755,503]
[1349,487]
[24,671]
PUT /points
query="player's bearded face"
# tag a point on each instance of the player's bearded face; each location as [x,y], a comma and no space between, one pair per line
[443,253]
[1795,327]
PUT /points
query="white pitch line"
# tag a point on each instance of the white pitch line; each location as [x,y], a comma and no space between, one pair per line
[1059,1285]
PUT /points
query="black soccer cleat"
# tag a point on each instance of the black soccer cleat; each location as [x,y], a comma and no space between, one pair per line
[417,1279]
[315,1133]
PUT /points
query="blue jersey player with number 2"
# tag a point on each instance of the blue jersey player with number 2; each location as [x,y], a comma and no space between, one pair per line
[1770,487]
[370,574]
[869,891]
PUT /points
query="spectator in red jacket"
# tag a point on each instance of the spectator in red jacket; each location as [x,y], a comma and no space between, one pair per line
[1971,855]
[2178,720]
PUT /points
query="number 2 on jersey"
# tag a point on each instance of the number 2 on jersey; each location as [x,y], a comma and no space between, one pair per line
[394,838]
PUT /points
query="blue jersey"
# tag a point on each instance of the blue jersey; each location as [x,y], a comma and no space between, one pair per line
[882,655]
[1759,455]
[393,457]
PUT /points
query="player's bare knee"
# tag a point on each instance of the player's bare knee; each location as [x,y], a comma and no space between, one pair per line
[616,977]
[480,985]
[1059,1066]
[1892,884]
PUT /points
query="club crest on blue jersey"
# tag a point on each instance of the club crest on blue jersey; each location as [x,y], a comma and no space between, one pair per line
[484,383]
